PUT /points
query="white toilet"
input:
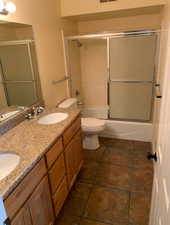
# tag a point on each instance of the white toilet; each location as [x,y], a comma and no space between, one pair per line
[91,127]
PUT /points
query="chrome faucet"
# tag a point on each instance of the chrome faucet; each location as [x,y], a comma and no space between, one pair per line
[35,112]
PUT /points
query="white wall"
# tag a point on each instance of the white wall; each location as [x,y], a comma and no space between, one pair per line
[83,7]
[117,24]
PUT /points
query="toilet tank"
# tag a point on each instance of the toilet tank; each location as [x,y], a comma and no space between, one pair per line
[68,103]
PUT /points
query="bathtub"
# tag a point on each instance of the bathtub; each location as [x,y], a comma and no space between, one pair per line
[139,131]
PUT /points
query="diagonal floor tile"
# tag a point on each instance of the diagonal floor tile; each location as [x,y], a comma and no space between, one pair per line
[118,156]
[81,190]
[88,172]
[139,159]
[139,208]
[94,155]
[116,176]
[113,176]
[107,205]
[140,145]
[74,207]
[117,143]
[67,220]
[142,179]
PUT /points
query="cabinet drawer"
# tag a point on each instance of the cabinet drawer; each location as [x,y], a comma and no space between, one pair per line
[60,196]
[70,132]
[57,173]
[20,194]
[54,152]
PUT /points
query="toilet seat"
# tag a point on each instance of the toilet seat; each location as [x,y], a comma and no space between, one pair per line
[92,124]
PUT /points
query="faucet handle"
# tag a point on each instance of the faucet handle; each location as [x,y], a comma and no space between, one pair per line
[28,116]
[40,109]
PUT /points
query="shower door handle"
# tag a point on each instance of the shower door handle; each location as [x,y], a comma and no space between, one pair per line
[158,91]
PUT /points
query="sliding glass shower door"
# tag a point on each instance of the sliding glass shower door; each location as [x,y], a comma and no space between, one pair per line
[132,60]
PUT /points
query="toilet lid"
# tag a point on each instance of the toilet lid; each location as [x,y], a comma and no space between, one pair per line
[92,122]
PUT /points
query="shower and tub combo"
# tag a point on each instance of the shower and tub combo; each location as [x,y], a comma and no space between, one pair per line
[112,75]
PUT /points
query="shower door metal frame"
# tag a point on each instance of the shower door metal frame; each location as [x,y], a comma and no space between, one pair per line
[34,81]
[113,35]
[153,82]
[68,76]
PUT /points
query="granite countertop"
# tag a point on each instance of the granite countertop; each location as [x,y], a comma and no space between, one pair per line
[30,141]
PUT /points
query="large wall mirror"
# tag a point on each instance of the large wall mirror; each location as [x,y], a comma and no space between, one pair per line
[19,77]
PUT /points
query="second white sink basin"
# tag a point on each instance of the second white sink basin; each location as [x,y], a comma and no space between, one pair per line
[8,162]
[53,118]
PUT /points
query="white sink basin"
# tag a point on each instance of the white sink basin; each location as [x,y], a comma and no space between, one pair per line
[8,162]
[53,118]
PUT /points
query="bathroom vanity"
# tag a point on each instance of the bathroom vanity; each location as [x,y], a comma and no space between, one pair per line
[36,190]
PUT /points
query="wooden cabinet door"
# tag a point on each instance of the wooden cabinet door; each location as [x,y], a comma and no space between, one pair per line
[57,173]
[40,205]
[74,158]
[24,189]
[23,217]
[60,196]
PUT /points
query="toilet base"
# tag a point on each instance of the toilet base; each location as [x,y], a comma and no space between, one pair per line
[91,142]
